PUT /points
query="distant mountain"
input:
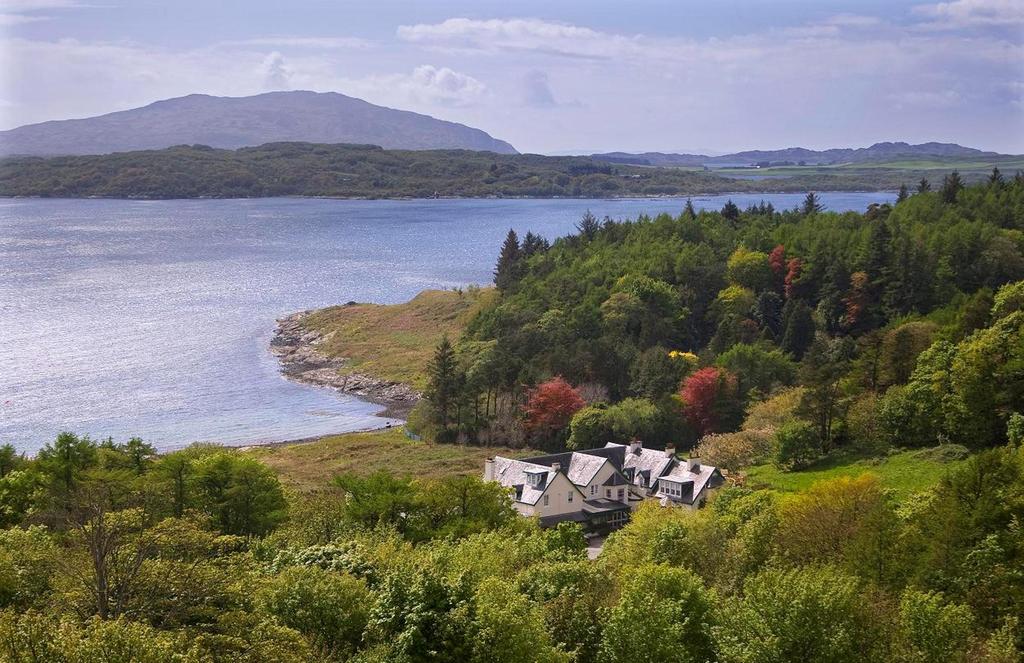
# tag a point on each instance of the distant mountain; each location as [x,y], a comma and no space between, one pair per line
[234,122]
[879,152]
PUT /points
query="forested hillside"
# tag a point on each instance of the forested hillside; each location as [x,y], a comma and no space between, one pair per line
[367,171]
[898,327]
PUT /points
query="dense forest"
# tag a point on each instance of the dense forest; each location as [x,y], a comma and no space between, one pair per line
[898,327]
[367,171]
[757,335]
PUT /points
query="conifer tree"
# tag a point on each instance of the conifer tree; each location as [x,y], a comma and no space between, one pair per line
[533,244]
[506,273]
[903,194]
[812,204]
[996,178]
[731,211]
[588,226]
[924,186]
[951,186]
[689,210]
[443,381]
[797,328]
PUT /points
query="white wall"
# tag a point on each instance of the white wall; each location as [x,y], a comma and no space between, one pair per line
[558,498]
[607,470]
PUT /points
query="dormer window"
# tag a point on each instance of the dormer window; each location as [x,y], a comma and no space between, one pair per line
[536,478]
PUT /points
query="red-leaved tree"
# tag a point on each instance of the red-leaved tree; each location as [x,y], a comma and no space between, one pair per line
[794,267]
[707,398]
[776,260]
[551,405]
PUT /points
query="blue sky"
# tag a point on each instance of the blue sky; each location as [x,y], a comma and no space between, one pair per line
[551,76]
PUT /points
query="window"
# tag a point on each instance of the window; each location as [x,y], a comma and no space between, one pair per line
[570,496]
[547,499]
[622,493]
[608,493]
[593,490]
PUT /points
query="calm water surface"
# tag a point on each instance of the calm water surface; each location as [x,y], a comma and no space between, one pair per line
[122,318]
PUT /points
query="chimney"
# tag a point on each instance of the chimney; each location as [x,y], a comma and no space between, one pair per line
[635,447]
[489,469]
[693,464]
[556,467]
[670,451]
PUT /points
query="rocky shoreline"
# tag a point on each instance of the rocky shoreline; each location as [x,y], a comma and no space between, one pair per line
[296,349]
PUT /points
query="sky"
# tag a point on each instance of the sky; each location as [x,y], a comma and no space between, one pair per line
[553,76]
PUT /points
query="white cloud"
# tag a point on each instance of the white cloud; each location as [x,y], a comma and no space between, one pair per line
[276,75]
[19,6]
[18,19]
[853,21]
[432,85]
[932,99]
[322,43]
[959,14]
[537,90]
[17,12]
[528,34]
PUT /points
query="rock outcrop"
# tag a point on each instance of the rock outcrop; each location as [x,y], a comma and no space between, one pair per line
[296,347]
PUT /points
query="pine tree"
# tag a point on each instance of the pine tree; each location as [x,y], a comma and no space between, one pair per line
[689,211]
[443,381]
[996,178]
[903,194]
[951,186]
[588,226]
[812,205]
[877,257]
[533,244]
[924,186]
[731,212]
[821,373]
[797,328]
[506,273]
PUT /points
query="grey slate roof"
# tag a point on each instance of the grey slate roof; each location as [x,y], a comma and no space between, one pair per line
[511,473]
[647,465]
[579,467]
[693,483]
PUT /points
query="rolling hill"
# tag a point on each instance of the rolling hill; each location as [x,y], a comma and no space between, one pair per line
[234,122]
[877,153]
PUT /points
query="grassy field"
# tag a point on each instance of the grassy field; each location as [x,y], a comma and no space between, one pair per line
[395,342]
[311,465]
[904,473]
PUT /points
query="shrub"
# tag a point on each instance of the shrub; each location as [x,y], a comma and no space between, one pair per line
[330,608]
[797,445]
[732,451]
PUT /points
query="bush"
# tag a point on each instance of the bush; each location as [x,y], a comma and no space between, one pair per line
[797,445]
[803,614]
[329,608]
[771,413]
[732,451]
[863,427]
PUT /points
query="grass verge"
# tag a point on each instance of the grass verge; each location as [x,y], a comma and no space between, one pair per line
[308,466]
[904,473]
